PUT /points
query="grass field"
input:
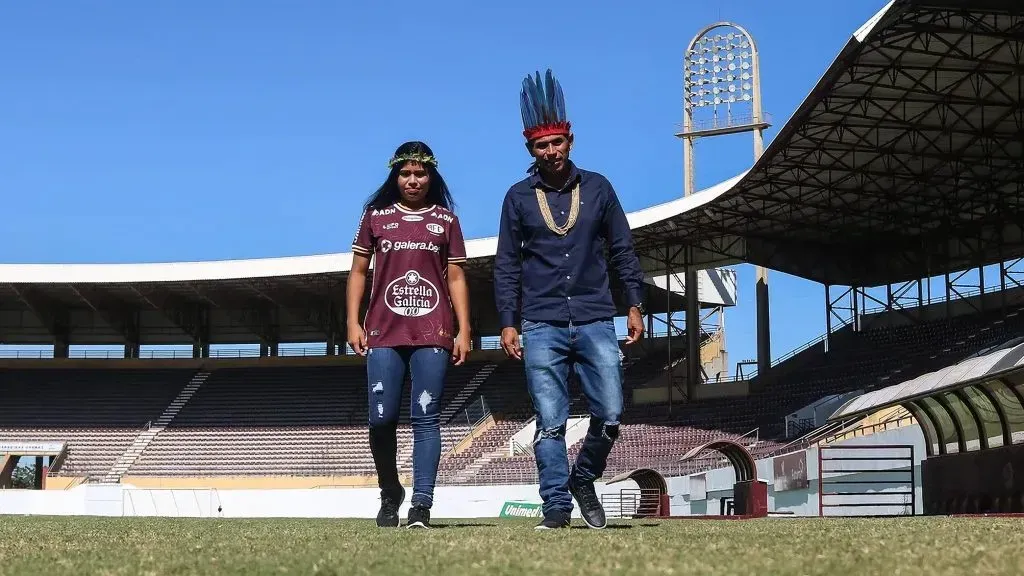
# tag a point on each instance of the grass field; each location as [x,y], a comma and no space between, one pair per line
[774,546]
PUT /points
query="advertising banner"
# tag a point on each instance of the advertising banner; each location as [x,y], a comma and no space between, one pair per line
[520,510]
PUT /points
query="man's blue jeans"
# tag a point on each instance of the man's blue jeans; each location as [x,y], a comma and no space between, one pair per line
[386,369]
[549,352]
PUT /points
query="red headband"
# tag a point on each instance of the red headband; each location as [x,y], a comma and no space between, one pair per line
[562,128]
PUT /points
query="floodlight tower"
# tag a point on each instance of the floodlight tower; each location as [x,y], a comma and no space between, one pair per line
[722,95]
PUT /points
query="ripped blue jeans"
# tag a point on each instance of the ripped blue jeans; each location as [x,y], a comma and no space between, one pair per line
[385,370]
[550,351]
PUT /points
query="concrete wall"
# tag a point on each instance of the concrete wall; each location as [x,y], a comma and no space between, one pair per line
[804,502]
[127,500]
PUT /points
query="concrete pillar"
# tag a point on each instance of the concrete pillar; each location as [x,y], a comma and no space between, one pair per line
[61,347]
[693,378]
[132,350]
[764,347]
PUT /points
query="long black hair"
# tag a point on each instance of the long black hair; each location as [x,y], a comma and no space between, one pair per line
[388,193]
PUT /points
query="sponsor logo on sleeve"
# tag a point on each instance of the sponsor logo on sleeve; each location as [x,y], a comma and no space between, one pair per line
[442,216]
[412,295]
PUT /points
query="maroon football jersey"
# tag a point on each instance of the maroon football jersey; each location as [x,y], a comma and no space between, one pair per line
[410,303]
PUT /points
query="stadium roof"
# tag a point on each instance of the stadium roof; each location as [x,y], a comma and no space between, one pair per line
[905,161]
[1004,360]
[292,299]
[972,405]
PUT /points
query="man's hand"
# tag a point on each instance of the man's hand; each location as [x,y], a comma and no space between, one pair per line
[357,338]
[510,343]
[634,326]
[461,349]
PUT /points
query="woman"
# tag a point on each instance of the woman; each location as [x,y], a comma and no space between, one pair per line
[409,227]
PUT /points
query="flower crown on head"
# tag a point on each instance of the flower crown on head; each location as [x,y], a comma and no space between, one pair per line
[413,157]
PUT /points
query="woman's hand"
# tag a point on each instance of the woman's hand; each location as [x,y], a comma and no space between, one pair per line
[357,338]
[461,349]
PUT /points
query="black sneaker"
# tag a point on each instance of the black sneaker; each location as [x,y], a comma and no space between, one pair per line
[390,502]
[590,507]
[418,517]
[554,520]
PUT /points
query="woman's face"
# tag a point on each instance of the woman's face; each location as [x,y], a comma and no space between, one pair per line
[413,183]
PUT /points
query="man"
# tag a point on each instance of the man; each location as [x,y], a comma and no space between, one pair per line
[551,241]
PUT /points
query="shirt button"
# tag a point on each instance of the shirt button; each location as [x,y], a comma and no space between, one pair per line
[566,255]
[563,212]
[566,277]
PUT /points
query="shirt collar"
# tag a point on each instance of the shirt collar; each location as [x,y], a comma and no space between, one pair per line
[574,177]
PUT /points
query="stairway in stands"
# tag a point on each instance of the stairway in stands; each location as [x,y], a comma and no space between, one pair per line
[466,474]
[467,391]
[142,441]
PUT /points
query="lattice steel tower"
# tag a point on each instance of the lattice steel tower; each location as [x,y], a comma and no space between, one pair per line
[722,95]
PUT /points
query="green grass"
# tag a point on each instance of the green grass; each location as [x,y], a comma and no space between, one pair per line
[296,546]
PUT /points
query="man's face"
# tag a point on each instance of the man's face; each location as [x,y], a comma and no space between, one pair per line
[551,152]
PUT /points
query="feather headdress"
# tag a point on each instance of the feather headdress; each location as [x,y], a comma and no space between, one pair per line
[543,107]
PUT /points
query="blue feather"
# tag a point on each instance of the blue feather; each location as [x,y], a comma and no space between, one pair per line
[559,102]
[531,111]
[538,100]
[524,104]
[549,97]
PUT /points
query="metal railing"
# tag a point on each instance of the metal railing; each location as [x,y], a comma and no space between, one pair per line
[492,343]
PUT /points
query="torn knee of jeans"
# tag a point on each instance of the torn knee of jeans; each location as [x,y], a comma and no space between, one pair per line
[550,433]
[607,430]
[424,401]
[378,387]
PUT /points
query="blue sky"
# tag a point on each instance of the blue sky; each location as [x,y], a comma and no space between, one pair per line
[163,131]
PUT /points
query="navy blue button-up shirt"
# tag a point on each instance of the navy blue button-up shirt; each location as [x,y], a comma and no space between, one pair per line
[563,278]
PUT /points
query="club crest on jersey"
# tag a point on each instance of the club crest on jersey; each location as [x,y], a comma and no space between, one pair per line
[435,228]
[412,295]
[412,218]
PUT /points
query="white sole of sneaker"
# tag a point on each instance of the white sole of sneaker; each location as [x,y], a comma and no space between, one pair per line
[418,525]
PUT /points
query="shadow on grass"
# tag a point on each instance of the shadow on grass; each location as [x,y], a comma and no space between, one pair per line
[442,526]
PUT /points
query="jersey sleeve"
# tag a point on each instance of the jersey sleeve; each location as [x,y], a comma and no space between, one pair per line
[363,242]
[456,243]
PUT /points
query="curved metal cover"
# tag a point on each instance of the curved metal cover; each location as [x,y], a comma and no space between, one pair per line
[741,460]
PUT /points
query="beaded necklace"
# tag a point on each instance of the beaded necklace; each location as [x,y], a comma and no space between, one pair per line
[574,211]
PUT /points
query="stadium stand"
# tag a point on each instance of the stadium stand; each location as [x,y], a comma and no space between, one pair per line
[310,420]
